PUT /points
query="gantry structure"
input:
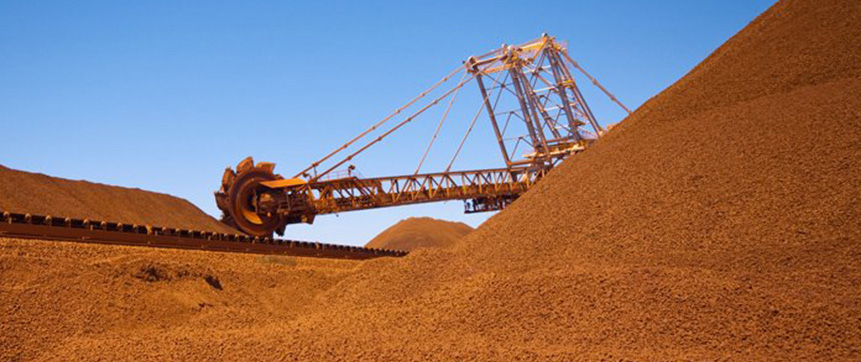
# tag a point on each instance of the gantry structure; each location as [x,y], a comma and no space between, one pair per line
[528,96]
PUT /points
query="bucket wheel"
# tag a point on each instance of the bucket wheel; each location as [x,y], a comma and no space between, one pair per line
[239,195]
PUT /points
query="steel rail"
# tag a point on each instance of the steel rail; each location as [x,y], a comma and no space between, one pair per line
[46,227]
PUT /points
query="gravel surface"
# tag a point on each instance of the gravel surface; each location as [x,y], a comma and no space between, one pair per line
[52,293]
[420,232]
[34,193]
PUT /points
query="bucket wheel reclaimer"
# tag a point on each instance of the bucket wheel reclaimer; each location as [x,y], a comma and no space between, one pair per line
[241,195]
[531,99]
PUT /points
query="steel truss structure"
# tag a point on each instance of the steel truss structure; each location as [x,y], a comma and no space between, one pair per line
[526,88]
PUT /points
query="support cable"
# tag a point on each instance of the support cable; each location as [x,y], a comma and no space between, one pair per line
[438,127]
[594,81]
[380,123]
[469,130]
[395,128]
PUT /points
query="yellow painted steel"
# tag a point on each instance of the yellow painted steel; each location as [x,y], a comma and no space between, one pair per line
[266,166]
[251,216]
[284,183]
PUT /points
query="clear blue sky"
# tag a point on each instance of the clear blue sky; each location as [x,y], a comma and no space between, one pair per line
[162,95]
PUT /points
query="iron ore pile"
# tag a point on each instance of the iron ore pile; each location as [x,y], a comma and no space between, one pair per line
[722,220]
[45,195]
[420,232]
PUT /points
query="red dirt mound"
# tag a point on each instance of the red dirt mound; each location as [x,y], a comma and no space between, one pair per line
[420,232]
[721,221]
[34,193]
[52,292]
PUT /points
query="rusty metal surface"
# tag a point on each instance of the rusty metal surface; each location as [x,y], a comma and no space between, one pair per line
[531,100]
[358,194]
[102,232]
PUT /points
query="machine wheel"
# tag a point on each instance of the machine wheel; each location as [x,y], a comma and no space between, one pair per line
[241,198]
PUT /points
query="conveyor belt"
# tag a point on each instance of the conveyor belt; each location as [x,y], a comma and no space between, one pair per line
[103,232]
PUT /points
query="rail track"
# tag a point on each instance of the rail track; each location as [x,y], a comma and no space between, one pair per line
[48,227]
